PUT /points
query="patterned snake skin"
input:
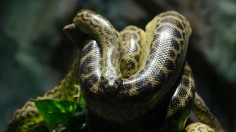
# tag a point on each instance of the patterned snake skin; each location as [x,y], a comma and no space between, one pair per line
[132,80]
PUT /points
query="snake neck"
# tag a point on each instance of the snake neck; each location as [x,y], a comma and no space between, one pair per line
[107,36]
[111,75]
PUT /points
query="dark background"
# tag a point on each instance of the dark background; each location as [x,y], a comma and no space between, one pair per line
[35,54]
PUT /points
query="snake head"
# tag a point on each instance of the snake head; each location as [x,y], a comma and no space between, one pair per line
[110,81]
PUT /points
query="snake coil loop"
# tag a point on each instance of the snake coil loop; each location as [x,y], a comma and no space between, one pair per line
[132,80]
[162,61]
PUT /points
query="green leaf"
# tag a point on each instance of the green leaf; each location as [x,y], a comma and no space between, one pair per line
[56,111]
[82,101]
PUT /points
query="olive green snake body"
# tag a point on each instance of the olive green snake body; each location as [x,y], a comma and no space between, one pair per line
[132,80]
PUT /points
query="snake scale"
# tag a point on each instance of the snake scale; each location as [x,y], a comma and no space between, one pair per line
[133,80]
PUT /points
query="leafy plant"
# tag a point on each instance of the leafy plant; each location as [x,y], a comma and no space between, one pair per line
[63,115]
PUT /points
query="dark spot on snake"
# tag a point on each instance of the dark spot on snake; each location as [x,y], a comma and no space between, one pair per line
[87,69]
[160,77]
[177,33]
[106,31]
[153,50]
[185,82]
[130,65]
[124,37]
[187,73]
[82,16]
[142,72]
[180,26]
[174,103]
[171,53]
[125,90]
[147,62]
[88,59]
[174,44]
[86,50]
[156,37]
[93,24]
[137,57]
[122,61]
[139,42]
[93,79]
[173,22]
[142,85]
[145,67]
[169,65]
[182,92]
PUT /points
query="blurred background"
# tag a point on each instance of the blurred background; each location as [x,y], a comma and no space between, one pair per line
[35,54]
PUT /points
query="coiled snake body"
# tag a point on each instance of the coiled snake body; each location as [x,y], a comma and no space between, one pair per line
[134,80]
